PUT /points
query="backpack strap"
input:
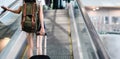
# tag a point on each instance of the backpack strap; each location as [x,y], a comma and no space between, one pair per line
[23,14]
[33,15]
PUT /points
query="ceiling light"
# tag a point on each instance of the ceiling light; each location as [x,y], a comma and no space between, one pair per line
[97,8]
[94,9]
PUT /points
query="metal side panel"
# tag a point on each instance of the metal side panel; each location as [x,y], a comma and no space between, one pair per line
[14,46]
[77,49]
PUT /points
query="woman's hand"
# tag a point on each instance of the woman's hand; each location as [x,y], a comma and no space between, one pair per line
[42,31]
[5,8]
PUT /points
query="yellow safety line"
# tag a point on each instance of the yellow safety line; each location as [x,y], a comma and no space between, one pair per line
[24,52]
[70,39]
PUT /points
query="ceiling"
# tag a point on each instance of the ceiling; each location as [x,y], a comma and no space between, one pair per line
[101,3]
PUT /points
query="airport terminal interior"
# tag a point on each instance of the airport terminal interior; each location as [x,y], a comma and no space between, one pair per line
[76,29]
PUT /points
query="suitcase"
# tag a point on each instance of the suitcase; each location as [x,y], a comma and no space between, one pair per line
[40,57]
[43,49]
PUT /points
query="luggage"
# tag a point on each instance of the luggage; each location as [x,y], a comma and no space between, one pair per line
[40,57]
[30,21]
[43,48]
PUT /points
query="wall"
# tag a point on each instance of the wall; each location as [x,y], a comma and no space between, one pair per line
[98,18]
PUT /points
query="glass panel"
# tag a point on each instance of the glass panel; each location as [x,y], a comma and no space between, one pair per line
[7,32]
[85,39]
[109,29]
[106,20]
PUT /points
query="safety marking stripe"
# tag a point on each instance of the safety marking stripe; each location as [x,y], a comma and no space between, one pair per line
[24,53]
[70,39]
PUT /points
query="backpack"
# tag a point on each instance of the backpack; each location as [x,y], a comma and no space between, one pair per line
[30,21]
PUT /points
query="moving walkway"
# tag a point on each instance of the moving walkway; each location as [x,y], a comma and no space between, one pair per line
[71,35]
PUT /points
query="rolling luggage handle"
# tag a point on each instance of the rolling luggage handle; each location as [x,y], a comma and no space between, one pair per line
[45,44]
[44,55]
[42,43]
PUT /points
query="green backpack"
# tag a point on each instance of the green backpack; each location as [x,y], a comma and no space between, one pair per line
[30,21]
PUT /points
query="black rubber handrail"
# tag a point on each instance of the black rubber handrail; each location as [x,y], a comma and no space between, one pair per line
[3,12]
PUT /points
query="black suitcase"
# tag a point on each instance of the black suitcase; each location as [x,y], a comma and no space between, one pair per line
[40,57]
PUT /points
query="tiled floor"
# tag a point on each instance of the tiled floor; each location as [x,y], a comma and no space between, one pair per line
[112,44]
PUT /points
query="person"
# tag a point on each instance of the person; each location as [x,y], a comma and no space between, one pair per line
[55,4]
[68,1]
[40,13]
[48,3]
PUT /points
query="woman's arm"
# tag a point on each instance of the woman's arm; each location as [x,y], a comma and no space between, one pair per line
[14,11]
[42,31]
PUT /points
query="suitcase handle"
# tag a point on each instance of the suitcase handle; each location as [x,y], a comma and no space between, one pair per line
[41,41]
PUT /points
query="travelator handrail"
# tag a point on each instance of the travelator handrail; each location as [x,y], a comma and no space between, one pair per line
[2,13]
[6,17]
[17,40]
[101,51]
[77,52]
